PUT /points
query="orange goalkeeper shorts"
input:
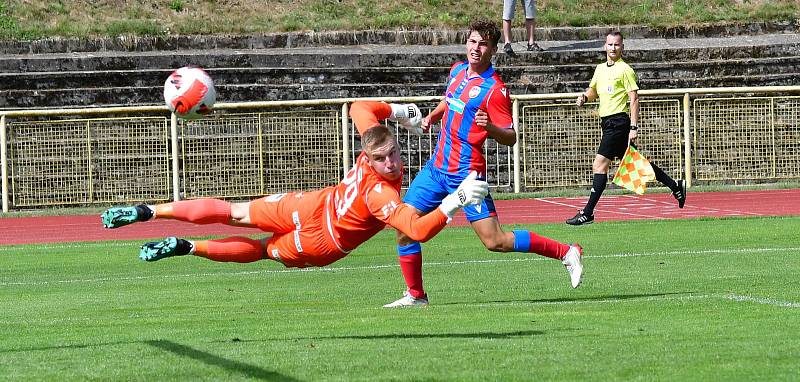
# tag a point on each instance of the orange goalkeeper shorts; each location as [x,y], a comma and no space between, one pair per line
[296,220]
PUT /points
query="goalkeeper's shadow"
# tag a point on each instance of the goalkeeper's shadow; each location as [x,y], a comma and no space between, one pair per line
[576,300]
[404,335]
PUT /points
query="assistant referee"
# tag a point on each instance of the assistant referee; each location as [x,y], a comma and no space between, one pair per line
[614,85]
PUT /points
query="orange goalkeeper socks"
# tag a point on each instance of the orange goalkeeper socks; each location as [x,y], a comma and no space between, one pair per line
[233,249]
[200,211]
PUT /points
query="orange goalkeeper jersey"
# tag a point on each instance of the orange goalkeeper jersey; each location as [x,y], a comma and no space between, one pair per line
[363,203]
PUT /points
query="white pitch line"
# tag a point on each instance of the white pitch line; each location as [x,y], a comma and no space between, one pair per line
[720,211]
[546,200]
[762,301]
[48,247]
[702,252]
[604,210]
[614,200]
[790,250]
[610,300]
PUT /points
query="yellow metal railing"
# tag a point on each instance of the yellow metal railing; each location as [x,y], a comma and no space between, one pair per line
[134,154]
[559,140]
[750,138]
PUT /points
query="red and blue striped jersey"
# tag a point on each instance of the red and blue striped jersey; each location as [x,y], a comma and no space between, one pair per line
[459,148]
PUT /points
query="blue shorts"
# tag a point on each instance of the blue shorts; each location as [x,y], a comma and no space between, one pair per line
[431,185]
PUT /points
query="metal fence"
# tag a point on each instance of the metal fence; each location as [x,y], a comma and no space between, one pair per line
[559,141]
[142,154]
[746,138]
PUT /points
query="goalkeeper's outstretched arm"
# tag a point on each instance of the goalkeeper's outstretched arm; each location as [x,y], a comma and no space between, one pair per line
[368,114]
[422,228]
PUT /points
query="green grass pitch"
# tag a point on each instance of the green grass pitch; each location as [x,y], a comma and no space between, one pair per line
[672,300]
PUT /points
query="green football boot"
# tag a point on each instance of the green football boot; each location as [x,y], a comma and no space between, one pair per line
[158,250]
[119,216]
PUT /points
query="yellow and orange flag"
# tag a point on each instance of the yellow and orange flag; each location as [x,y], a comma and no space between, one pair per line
[634,171]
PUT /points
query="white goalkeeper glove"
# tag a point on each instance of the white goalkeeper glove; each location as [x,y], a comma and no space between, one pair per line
[408,116]
[470,191]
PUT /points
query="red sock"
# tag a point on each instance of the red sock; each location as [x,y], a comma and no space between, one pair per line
[200,211]
[233,249]
[548,247]
[411,266]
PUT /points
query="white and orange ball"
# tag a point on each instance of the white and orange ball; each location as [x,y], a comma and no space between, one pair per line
[189,93]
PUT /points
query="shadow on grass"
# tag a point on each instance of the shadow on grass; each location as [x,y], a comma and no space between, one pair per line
[181,350]
[69,347]
[211,359]
[486,335]
[609,298]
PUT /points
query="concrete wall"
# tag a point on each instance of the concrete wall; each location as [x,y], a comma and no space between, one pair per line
[131,70]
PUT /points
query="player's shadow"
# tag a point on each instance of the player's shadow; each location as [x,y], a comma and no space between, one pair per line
[609,298]
[183,351]
[211,359]
[68,347]
[484,335]
[394,336]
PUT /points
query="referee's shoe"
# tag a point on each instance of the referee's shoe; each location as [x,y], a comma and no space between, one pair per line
[680,193]
[580,219]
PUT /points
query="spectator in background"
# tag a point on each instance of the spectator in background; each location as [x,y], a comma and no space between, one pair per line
[530,25]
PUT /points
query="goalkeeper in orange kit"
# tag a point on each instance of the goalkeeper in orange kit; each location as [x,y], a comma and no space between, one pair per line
[313,228]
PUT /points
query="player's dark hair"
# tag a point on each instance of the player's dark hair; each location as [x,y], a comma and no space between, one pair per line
[488,29]
[376,136]
[615,34]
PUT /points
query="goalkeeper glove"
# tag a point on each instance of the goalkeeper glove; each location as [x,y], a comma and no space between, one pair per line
[470,191]
[408,116]
[180,104]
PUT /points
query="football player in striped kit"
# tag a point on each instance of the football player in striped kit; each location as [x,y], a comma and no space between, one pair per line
[476,106]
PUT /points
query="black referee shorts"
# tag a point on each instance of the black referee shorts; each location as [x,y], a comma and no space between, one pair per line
[616,128]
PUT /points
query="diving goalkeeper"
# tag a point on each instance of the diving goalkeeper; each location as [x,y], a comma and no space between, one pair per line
[314,228]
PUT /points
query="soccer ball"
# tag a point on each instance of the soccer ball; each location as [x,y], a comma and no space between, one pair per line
[189,93]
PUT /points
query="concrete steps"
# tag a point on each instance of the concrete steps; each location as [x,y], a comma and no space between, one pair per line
[376,56]
[530,74]
[386,37]
[149,95]
[136,78]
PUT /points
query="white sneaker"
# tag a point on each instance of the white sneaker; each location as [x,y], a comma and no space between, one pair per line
[572,260]
[408,300]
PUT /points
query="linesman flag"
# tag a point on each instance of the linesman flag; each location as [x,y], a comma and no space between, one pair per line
[634,171]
